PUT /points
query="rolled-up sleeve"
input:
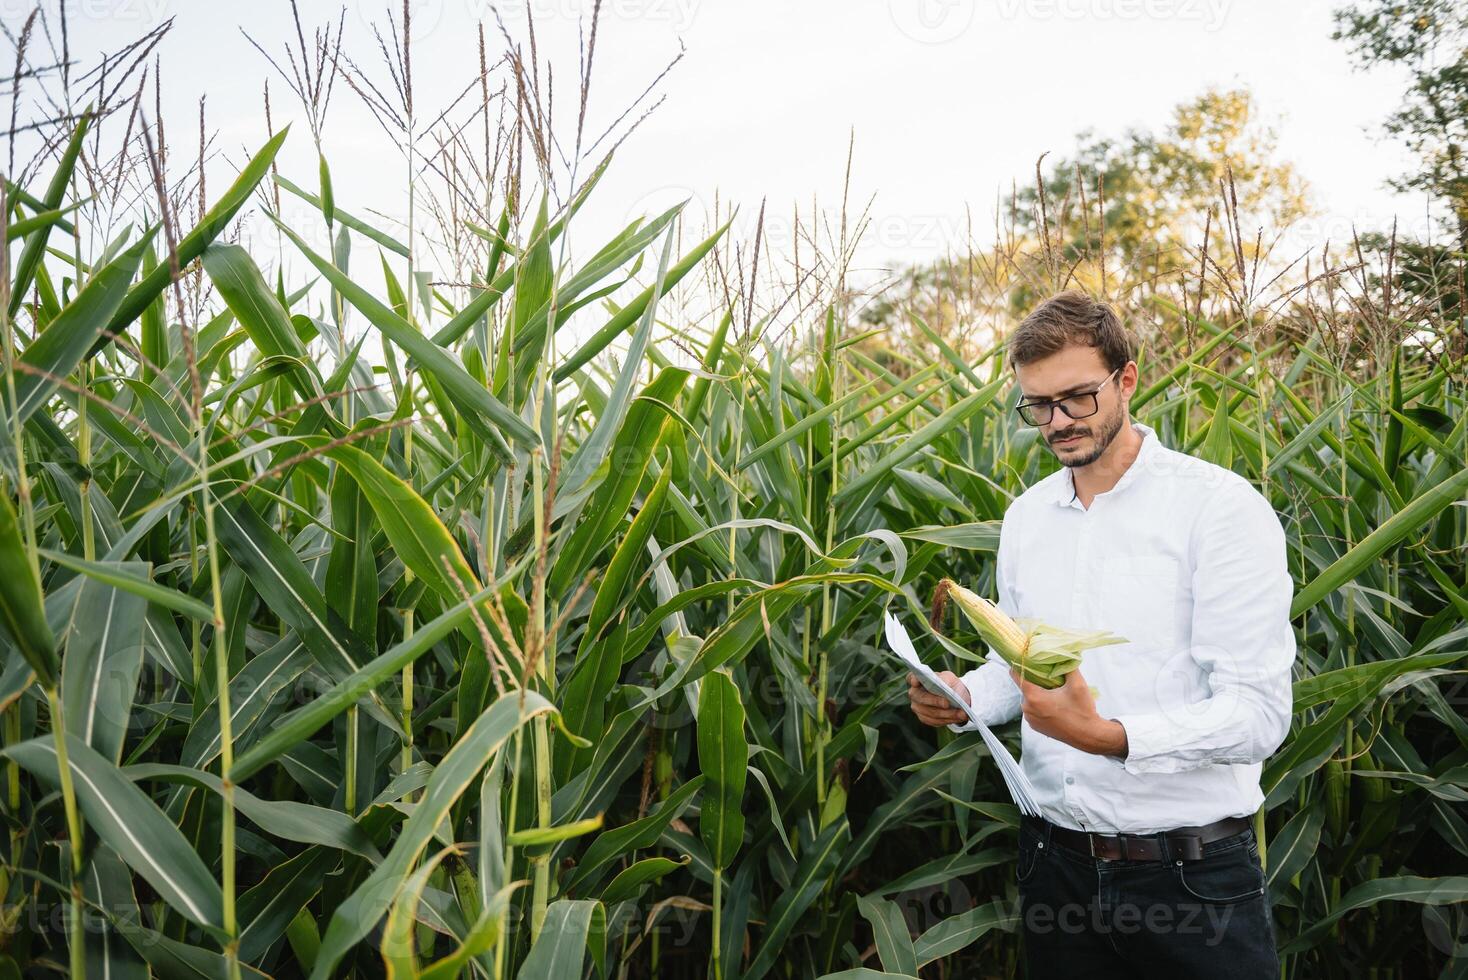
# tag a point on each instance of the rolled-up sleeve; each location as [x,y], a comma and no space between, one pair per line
[1241,639]
[992,692]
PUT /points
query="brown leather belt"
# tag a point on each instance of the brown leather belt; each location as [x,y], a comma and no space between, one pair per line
[1180,843]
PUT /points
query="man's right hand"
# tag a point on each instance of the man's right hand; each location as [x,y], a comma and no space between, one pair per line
[933,709]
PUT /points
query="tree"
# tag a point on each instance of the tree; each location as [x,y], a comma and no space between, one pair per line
[1430,39]
[1154,191]
[1119,213]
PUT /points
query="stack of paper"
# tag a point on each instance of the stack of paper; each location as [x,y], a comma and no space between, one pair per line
[1014,777]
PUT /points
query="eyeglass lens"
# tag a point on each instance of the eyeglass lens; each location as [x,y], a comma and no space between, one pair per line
[1075,407]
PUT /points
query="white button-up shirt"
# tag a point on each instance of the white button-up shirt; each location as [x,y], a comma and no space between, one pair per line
[1186,560]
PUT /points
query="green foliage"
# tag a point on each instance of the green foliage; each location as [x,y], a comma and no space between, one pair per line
[532,661]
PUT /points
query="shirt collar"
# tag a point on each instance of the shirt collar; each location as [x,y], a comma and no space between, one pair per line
[1065,488]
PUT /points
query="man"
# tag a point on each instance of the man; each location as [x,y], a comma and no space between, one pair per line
[1145,861]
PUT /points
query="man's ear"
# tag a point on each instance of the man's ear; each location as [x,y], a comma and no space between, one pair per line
[1128,380]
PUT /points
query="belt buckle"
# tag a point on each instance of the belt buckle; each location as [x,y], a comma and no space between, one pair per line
[1120,847]
[1191,846]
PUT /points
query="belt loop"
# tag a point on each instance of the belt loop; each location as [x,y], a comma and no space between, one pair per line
[1164,845]
[1049,829]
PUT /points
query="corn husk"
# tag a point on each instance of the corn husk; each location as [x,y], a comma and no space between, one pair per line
[1042,654]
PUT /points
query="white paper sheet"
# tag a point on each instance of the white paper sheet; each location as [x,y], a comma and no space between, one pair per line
[1014,777]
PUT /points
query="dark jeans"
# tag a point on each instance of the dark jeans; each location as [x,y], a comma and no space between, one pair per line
[1083,918]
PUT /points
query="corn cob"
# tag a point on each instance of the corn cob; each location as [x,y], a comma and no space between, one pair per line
[1042,654]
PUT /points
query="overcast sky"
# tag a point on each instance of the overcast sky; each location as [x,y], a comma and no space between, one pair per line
[949,101]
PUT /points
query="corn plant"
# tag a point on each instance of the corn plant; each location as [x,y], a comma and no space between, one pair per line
[521,651]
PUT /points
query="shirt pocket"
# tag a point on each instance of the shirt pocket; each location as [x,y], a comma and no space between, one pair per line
[1140,597]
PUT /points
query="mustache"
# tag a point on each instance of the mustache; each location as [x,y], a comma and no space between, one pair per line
[1067,435]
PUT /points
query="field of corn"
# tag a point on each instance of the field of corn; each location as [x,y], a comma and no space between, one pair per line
[407,605]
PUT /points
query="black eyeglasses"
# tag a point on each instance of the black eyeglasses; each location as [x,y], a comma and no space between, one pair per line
[1078,406]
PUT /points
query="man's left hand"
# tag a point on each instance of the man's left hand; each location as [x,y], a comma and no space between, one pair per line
[1068,713]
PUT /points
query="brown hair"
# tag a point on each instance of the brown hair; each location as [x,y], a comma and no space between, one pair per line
[1070,318]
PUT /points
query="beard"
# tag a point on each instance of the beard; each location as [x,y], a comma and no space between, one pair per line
[1110,426]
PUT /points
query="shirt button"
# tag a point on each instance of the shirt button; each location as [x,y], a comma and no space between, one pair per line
[1070,779]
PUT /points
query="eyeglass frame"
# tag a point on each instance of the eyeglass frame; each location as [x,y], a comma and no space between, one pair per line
[1055,403]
